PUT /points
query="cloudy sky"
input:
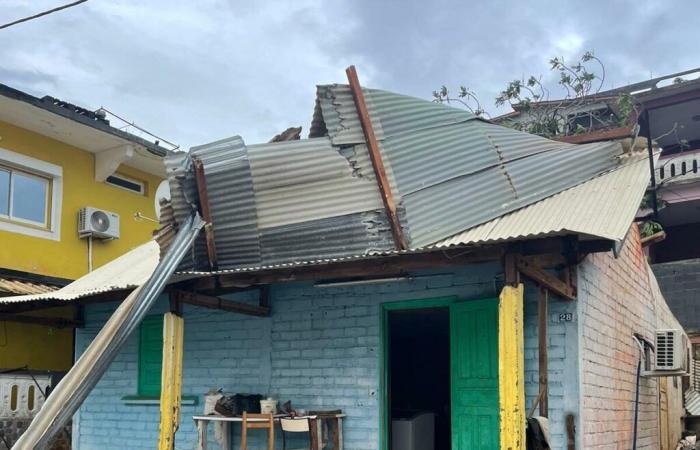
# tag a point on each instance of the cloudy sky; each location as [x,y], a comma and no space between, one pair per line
[194,72]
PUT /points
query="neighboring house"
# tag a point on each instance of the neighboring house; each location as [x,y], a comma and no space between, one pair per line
[511,272]
[667,112]
[56,158]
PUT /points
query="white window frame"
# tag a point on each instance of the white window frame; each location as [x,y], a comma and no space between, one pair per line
[42,169]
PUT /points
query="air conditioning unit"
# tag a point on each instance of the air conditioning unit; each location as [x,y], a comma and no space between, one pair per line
[671,350]
[98,223]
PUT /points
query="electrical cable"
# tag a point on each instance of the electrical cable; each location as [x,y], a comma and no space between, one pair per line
[45,13]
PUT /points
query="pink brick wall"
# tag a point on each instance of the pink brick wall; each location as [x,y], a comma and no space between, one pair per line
[618,297]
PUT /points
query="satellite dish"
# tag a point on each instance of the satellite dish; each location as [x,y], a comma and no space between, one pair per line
[99,221]
[163,192]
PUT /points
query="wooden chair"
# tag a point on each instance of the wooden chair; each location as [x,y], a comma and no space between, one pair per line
[262,421]
[301,425]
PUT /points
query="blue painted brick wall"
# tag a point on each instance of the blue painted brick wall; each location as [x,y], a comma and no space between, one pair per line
[562,362]
[320,348]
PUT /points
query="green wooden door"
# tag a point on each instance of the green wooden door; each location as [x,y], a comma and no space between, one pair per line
[474,371]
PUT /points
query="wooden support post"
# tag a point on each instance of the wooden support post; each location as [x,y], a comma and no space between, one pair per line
[376,157]
[542,315]
[206,213]
[171,380]
[511,368]
[510,269]
[570,432]
[265,296]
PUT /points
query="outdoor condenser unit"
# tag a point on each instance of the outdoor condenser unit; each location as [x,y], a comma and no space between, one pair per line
[98,223]
[671,350]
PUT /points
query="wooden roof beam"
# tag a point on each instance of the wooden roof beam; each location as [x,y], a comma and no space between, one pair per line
[206,212]
[206,301]
[376,157]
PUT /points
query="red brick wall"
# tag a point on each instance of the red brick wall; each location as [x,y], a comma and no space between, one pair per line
[618,297]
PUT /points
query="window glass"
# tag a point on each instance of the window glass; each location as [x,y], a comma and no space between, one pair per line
[4,192]
[29,194]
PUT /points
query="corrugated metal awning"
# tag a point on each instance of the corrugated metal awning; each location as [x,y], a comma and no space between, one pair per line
[126,272]
[601,208]
[12,286]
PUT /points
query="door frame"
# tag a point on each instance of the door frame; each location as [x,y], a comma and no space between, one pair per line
[386,308]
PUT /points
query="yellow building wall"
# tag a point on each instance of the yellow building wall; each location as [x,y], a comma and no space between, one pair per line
[37,347]
[67,258]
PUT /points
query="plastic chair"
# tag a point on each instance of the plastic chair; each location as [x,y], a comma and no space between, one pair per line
[264,422]
[301,425]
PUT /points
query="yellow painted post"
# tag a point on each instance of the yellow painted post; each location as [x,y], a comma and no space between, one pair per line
[511,363]
[171,380]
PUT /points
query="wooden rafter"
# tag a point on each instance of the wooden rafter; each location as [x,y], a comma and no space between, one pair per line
[548,252]
[376,157]
[537,273]
[207,301]
[55,322]
[206,213]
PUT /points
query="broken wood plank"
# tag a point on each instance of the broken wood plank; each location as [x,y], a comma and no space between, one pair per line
[206,213]
[206,301]
[542,320]
[535,272]
[653,239]
[376,157]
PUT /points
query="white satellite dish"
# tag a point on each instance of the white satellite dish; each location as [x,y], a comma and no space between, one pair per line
[163,192]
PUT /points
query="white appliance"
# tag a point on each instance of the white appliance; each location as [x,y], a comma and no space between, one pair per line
[671,350]
[98,223]
[415,432]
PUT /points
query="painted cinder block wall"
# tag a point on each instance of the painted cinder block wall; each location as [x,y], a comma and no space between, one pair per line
[320,348]
[618,297]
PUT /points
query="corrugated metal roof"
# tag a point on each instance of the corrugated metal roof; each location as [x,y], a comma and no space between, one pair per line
[13,286]
[602,207]
[391,114]
[231,201]
[448,170]
[307,180]
[130,270]
[333,237]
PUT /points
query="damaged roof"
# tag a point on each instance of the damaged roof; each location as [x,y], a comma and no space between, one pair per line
[317,198]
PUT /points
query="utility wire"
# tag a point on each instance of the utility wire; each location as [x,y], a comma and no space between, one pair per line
[45,13]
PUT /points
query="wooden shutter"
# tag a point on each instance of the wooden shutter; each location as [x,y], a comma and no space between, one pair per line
[150,355]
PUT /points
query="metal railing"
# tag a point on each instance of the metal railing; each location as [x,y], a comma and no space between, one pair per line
[678,168]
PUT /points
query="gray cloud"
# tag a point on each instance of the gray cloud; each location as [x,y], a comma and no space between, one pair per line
[199,71]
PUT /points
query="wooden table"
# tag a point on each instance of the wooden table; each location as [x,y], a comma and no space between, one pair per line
[202,423]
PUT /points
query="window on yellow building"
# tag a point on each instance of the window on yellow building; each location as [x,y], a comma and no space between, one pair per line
[31,192]
[24,197]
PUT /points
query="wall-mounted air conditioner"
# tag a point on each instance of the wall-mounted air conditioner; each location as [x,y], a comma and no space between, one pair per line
[670,355]
[98,223]
[671,350]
